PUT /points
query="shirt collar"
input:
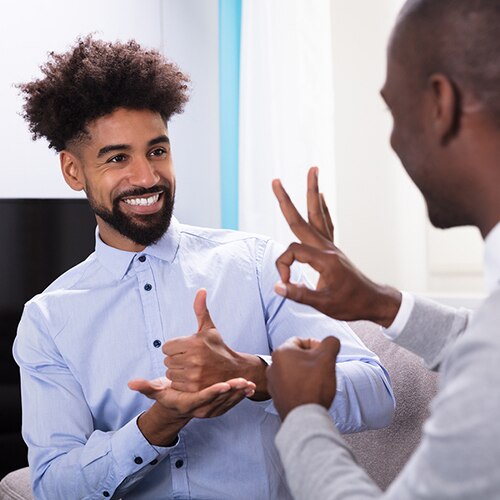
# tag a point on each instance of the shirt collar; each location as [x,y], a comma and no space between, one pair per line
[118,261]
[492,258]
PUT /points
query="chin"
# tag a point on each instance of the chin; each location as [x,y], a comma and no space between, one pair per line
[446,219]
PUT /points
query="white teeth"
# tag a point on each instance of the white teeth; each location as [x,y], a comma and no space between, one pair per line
[144,202]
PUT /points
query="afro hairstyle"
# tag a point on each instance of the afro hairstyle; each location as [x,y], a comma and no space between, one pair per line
[93,79]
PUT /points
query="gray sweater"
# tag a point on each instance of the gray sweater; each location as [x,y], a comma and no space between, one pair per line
[459,455]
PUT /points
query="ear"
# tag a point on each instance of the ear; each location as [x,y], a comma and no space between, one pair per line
[446,109]
[71,168]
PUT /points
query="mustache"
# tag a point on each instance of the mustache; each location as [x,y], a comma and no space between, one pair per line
[140,191]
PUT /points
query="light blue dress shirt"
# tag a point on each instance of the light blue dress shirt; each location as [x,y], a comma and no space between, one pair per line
[103,322]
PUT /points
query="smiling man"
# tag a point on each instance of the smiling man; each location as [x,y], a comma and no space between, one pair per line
[100,417]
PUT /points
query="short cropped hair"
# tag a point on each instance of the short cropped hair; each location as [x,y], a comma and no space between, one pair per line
[458,38]
[93,79]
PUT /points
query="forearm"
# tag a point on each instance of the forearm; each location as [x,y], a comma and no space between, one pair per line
[160,428]
[317,462]
[111,462]
[364,398]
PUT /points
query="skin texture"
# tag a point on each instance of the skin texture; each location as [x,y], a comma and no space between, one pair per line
[446,133]
[125,153]
[303,371]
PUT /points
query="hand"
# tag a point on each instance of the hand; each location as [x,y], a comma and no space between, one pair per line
[303,372]
[173,409]
[203,359]
[342,292]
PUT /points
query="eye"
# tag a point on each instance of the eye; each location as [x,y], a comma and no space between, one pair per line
[117,158]
[158,152]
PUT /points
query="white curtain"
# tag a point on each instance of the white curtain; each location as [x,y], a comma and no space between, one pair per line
[286,108]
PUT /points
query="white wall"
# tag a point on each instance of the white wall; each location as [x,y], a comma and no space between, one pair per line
[30,29]
[191,31]
[381,218]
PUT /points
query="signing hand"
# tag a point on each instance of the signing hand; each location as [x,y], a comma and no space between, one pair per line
[173,409]
[203,359]
[303,372]
[342,292]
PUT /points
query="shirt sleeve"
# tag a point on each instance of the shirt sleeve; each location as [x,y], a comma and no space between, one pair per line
[364,398]
[68,458]
[402,317]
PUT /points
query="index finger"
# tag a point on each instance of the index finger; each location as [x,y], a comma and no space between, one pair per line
[297,224]
[177,345]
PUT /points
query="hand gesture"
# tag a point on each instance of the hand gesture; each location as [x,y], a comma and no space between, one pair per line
[342,292]
[209,402]
[203,359]
[173,409]
[303,372]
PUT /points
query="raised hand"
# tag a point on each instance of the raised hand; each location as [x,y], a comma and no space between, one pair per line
[303,372]
[203,359]
[342,292]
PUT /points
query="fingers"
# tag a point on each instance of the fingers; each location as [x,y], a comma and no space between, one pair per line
[201,310]
[328,218]
[298,225]
[315,206]
[300,343]
[331,346]
[149,387]
[301,253]
[178,345]
[299,293]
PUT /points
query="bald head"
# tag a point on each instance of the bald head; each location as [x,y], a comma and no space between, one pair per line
[457,38]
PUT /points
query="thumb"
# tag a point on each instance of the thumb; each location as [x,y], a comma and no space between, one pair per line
[201,311]
[330,346]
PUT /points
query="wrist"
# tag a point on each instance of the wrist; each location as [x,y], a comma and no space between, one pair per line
[255,371]
[159,426]
[387,304]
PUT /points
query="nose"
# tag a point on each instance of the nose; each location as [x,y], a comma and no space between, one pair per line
[143,173]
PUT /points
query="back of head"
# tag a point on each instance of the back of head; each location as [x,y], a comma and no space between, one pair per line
[458,38]
[94,78]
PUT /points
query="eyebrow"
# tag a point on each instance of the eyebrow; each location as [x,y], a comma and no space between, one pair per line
[125,147]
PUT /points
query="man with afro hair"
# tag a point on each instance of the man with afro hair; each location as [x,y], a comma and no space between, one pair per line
[126,313]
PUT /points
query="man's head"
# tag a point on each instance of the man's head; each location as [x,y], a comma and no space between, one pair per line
[104,107]
[443,90]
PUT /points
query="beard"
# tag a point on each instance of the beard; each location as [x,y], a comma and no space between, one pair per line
[144,230]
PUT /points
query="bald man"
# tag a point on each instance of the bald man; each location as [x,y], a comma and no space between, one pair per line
[443,89]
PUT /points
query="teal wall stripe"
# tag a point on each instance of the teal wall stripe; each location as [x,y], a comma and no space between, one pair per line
[229,85]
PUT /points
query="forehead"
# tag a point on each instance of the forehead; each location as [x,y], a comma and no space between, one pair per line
[126,126]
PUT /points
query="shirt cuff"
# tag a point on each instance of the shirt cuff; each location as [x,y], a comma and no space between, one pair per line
[399,323]
[132,451]
[266,358]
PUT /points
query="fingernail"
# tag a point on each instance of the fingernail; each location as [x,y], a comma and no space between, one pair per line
[280,289]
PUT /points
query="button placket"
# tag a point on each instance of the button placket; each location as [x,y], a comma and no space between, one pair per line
[149,300]
[178,468]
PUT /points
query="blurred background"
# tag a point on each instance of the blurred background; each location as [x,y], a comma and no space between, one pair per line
[277,86]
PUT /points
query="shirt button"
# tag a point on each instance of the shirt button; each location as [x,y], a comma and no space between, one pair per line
[105,493]
[148,287]
[138,460]
[179,463]
[142,258]
[157,343]
[153,462]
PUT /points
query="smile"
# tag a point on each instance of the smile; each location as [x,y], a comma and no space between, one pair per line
[144,202]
